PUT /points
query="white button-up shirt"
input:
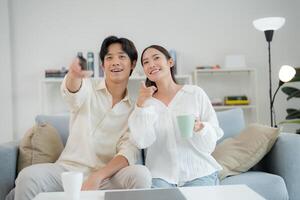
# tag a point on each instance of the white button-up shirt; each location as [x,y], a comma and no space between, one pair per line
[98,132]
[168,156]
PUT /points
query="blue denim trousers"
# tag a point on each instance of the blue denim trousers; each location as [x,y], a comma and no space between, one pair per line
[209,180]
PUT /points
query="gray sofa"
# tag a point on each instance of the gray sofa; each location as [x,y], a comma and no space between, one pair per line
[276,177]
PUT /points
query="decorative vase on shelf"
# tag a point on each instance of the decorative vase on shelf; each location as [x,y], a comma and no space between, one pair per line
[90,61]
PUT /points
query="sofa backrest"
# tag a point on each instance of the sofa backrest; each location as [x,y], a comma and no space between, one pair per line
[60,122]
[231,121]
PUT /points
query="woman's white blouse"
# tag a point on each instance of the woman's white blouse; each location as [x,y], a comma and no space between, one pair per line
[168,156]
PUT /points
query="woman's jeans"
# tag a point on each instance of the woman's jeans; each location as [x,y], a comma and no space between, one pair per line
[209,180]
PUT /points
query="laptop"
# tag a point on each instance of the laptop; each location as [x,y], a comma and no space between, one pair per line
[148,194]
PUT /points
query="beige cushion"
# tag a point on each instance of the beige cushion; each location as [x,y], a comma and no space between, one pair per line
[40,144]
[240,153]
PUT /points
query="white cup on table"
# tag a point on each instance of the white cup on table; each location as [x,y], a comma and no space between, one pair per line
[72,182]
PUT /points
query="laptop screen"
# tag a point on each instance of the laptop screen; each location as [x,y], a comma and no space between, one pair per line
[147,194]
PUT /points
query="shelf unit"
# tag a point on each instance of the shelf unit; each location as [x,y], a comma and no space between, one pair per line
[51,101]
[219,83]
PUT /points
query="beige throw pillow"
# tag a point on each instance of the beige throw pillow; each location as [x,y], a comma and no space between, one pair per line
[40,144]
[238,154]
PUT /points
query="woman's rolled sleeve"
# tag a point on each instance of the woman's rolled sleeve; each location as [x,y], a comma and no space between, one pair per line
[206,139]
[141,125]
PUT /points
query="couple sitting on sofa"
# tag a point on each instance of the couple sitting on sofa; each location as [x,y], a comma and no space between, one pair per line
[107,128]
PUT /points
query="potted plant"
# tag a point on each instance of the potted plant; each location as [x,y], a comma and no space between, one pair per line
[293,114]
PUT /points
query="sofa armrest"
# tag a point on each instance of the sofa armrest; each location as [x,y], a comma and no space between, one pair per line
[284,160]
[8,167]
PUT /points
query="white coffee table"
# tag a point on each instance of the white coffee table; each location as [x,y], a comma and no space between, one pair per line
[222,192]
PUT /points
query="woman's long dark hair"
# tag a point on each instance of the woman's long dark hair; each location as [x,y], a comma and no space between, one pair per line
[167,55]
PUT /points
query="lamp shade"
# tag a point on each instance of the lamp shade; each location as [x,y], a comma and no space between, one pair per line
[286,73]
[269,23]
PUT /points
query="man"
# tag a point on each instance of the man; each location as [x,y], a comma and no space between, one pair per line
[98,143]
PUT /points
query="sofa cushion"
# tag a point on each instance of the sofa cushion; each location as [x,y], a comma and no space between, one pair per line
[239,153]
[40,144]
[269,186]
[231,121]
[60,122]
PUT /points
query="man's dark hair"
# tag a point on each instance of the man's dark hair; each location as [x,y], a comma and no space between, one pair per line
[127,46]
[167,55]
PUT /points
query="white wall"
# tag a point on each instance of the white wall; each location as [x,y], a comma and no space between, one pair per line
[47,34]
[6,128]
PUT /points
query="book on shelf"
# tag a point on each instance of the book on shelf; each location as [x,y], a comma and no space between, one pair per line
[236,100]
[55,73]
[207,67]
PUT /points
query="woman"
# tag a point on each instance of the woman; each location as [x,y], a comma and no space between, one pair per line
[173,160]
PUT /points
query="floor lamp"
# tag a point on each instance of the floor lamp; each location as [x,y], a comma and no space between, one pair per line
[268,26]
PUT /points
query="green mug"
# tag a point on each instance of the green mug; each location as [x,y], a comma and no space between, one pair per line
[186,125]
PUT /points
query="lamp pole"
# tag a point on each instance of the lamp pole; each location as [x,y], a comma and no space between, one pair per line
[269,36]
[270,84]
